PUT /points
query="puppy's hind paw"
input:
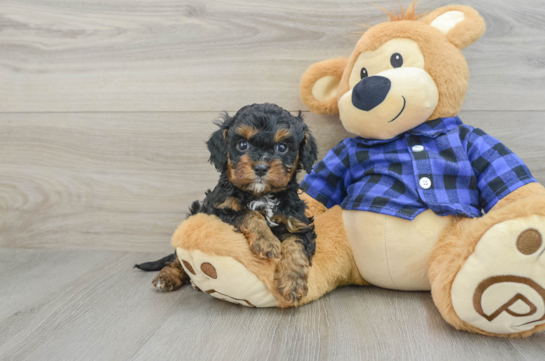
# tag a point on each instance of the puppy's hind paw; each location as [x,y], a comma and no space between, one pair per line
[166,284]
[170,278]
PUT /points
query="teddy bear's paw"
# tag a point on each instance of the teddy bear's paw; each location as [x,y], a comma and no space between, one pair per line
[501,286]
[195,287]
[225,278]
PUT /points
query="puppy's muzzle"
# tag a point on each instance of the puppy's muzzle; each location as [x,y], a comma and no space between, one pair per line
[370,92]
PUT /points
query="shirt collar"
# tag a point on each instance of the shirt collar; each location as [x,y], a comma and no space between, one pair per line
[431,129]
[436,127]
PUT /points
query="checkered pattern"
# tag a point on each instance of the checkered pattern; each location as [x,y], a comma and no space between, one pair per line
[469,170]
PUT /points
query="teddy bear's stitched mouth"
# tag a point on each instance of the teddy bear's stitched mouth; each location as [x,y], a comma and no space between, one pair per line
[402,109]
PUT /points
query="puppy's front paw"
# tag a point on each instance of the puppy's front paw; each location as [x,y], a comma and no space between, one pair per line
[291,283]
[292,272]
[263,245]
[265,248]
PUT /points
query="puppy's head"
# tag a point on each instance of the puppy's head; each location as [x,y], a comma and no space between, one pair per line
[261,148]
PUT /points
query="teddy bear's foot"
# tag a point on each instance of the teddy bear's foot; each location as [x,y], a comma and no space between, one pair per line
[225,278]
[500,289]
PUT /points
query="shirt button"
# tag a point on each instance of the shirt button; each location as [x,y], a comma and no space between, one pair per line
[425,182]
[418,148]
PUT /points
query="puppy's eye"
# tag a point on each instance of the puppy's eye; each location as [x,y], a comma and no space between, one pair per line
[242,145]
[396,60]
[364,73]
[281,148]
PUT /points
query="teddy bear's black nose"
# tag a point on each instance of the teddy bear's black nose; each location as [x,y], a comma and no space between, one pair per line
[370,92]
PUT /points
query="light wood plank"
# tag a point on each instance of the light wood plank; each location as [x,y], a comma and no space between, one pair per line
[121,181]
[111,312]
[98,315]
[137,55]
[38,275]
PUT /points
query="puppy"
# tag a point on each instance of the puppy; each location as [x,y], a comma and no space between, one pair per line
[258,153]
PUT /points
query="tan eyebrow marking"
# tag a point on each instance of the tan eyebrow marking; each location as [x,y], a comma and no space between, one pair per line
[282,134]
[247,131]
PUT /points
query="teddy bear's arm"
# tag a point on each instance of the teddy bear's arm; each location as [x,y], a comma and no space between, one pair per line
[328,180]
[315,208]
[499,171]
[526,191]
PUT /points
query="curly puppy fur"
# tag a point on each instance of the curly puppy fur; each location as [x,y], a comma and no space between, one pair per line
[171,277]
[258,152]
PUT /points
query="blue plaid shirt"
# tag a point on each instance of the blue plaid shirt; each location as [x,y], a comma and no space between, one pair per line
[443,165]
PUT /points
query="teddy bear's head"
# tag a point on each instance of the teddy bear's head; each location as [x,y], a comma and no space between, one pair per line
[401,73]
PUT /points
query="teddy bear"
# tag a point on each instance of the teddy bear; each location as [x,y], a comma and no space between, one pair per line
[416,200]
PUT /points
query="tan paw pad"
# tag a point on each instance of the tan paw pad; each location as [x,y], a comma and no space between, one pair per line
[225,278]
[501,287]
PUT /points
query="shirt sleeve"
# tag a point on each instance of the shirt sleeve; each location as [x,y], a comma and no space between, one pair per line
[327,181]
[498,170]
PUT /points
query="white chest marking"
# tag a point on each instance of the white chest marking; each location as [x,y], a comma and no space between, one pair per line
[268,204]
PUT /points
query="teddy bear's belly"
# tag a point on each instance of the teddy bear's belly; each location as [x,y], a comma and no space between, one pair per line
[391,252]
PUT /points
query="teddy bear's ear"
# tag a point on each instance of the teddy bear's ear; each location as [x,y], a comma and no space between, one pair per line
[462,25]
[319,85]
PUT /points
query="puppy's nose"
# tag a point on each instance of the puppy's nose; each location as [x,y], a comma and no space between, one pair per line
[261,169]
[370,92]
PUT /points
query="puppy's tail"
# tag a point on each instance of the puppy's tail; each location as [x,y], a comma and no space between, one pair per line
[156,265]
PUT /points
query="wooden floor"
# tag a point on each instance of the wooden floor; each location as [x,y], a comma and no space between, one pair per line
[90,305]
[104,110]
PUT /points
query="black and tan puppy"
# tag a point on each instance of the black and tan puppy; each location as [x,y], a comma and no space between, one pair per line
[258,152]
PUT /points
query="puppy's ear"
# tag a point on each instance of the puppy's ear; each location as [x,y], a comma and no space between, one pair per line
[308,150]
[217,144]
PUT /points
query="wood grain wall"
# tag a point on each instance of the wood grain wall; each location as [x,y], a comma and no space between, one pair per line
[105,106]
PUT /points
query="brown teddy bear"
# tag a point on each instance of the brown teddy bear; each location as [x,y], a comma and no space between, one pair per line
[415,201]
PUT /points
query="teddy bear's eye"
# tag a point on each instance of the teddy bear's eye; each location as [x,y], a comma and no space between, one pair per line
[364,73]
[396,60]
